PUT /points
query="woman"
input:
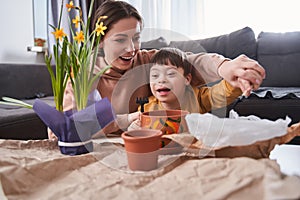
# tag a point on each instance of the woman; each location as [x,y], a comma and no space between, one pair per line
[128,78]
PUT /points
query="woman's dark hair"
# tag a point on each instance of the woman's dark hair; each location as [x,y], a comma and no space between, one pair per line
[174,56]
[115,11]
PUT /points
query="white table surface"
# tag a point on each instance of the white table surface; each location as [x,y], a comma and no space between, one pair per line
[288,158]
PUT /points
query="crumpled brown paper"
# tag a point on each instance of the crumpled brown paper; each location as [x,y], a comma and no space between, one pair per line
[37,170]
[259,149]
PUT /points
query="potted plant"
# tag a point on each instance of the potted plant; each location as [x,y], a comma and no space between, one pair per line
[74,61]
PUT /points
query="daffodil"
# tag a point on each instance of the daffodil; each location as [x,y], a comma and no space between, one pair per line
[100,28]
[76,21]
[79,37]
[75,59]
[70,6]
[59,33]
[100,18]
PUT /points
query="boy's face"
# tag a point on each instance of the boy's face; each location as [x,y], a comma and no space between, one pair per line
[168,83]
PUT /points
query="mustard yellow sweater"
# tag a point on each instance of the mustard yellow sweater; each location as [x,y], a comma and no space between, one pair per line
[203,99]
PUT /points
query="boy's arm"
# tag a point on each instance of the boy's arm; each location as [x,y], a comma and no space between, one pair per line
[216,96]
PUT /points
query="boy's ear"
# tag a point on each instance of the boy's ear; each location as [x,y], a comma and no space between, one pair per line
[188,79]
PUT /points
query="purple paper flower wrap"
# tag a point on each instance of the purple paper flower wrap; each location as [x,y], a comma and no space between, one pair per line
[75,129]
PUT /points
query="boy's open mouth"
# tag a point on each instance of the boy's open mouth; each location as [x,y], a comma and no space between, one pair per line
[163,90]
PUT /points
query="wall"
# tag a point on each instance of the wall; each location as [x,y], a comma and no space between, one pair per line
[17,32]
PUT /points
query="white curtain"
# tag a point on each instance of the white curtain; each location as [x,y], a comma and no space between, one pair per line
[175,19]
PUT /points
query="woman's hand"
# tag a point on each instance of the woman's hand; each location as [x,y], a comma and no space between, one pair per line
[51,135]
[135,125]
[125,120]
[243,72]
[134,121]
[69,101]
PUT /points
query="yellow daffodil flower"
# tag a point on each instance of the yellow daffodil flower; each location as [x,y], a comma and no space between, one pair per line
[59,33]
[102,17]
[100,28]
[70,6]
[76,21]
[79,37]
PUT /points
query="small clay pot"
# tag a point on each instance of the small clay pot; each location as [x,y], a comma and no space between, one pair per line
[142,148]
[168,121]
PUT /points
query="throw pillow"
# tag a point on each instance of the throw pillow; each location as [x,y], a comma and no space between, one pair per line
[188,46]
[231,45]
[279,54]
[154,44]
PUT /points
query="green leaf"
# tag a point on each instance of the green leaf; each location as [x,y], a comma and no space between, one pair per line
[15,102]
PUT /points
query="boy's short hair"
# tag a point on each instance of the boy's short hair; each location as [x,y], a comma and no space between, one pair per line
[174,56]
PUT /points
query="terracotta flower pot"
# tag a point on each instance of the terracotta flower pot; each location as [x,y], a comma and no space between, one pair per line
[168,121]
[142,148]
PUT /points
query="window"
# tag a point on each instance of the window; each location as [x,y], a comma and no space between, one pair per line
[261,15]
[207,18]
[40,22]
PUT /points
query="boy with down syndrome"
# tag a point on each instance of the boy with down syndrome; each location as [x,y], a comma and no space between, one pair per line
[170,78]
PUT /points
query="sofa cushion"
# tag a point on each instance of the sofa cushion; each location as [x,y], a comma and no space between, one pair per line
[24,81]
[231,45]
[188,46]
[154,44]
[279,54]
[22,123]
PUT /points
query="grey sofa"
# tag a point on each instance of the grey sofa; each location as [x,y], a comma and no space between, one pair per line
[278,96]
[278,53]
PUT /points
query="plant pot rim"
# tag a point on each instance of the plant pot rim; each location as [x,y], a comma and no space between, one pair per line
[155,133]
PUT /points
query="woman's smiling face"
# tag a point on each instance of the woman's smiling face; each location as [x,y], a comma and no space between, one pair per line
[168,83]
[122,42]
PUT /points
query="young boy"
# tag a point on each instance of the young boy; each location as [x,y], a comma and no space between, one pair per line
[170,83]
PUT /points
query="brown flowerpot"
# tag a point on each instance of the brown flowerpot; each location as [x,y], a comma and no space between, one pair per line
[142,148]
[168,121]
